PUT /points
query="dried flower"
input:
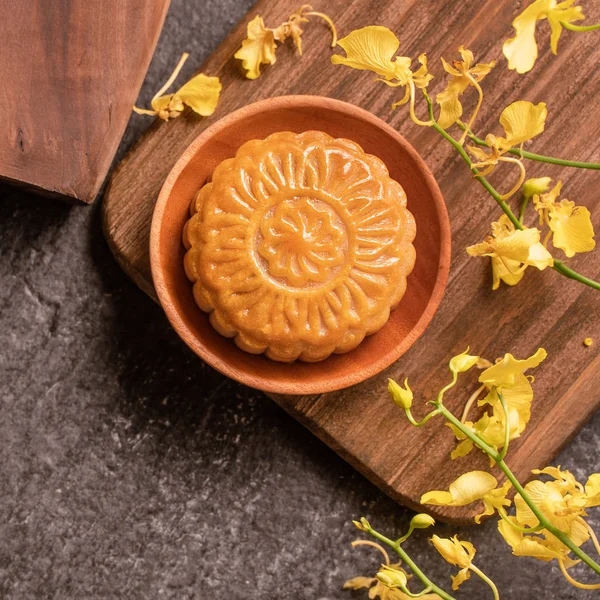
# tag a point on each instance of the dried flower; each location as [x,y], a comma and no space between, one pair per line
[259,47]
[201,94]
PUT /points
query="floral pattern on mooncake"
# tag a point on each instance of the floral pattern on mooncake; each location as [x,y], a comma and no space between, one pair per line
[299,246]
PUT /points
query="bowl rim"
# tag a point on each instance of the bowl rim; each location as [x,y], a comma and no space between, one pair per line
[258,381]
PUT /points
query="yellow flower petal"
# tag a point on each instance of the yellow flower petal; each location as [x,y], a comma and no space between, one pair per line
[460,578]
[454,551]
[356,583]
[463,362]
[530,546]
[370,49]
[450,107]
[548,499]
[523,245]
[511,536]
[421,76]
[480,154]
[521,50]
[438,498]
[257,49]
[592,490]
[462,449]
[521,122]
[559,15]
[518,396]
[506,270]
[507,371]
[466,489]
[572,228]
[201,94]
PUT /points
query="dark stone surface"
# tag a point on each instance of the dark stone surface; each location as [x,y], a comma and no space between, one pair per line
[129,469]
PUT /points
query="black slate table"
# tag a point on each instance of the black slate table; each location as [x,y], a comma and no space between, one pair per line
[129,469]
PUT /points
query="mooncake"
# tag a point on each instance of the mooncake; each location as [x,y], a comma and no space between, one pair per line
[299,246]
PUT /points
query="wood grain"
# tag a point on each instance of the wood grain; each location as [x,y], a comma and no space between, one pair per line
[545,309]
[73,72]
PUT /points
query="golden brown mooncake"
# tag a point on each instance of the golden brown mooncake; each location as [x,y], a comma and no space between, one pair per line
[299,246]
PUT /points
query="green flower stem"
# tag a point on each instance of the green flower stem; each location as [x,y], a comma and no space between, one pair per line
[485,578]
[504,517]
[522,209]
[533,156]
[580,27]
[493,454]
[413,567]
[496,457]
[558,264]
[411,595]
[484,182]
[412,420]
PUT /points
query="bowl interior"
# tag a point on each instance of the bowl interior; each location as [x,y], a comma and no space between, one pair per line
[425,284]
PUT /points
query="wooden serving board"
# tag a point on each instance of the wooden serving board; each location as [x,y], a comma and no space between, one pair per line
[545,309]
[70,74]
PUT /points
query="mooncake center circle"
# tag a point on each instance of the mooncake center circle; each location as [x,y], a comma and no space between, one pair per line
[301,242]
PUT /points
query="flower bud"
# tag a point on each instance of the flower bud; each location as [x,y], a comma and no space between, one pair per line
[535,186]
[392,577]
[402,397]
[422,521]
[362,525]
[463,362]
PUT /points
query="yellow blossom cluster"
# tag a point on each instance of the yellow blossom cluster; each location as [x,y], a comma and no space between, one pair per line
[509,397]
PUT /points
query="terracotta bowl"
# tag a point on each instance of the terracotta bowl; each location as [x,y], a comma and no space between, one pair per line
[426,283]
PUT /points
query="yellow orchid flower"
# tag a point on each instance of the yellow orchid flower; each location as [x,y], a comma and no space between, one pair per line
[456,553]
[468,488]
[201,94]
[521,50]
[373,48]
[571,225]
[259,46]
[508,377]
[512,251]
[521,121]
[491,429]
[508,371]
[543,546]
[560,508]
[464,74]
